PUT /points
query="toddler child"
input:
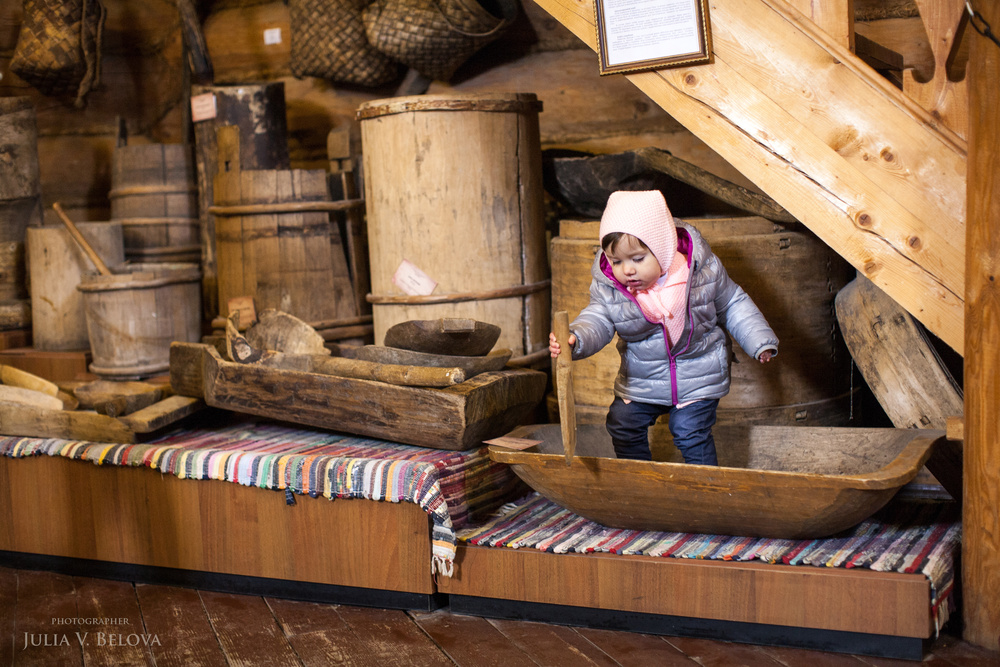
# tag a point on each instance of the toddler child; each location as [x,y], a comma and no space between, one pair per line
[658,285]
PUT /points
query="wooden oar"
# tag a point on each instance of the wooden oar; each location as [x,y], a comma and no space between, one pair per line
[102,268]
[564,385]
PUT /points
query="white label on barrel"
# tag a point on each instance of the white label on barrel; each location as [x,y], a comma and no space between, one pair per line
[412,280]
[203,107]
[272,36]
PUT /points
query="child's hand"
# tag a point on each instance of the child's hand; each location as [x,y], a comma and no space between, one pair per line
[764,357]
[554,346]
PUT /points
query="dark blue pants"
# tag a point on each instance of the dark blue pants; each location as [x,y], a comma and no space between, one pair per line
[691,426]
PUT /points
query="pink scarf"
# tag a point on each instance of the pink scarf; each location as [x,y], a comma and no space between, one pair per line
[665,302]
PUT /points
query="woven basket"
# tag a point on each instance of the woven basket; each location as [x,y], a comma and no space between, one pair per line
[328,41]
[59,47]
[434,37]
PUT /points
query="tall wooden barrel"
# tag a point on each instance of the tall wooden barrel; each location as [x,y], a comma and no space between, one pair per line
[791,275]
[57,265]
[272,230]
[453,189]
[134,315]
[154,195]
[20,205]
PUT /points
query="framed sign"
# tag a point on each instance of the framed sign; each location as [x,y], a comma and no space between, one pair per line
[638,35]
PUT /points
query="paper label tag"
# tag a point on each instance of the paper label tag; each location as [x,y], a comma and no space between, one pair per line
[412,280]
[513,443]
[203,107]
[272,36]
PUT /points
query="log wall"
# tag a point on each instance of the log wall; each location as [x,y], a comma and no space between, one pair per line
[142,80]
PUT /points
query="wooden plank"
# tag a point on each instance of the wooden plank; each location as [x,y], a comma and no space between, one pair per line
[470,640]
[177,618]
[408,644]
[708,653]
[143,517]
[944,21]
[880,182]
[980,520]
[318,634]
[120,638]
[553,644]
[8,612]
[246,630]
[822,598]
[628,648]
[42,597]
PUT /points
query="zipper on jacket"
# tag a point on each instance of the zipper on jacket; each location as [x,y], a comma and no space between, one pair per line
[671,358]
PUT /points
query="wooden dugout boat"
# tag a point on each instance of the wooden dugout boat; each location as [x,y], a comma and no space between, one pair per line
[793,482]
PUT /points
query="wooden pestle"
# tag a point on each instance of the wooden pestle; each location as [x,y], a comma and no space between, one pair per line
[102,268]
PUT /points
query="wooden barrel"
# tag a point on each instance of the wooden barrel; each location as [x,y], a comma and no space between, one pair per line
[273,238]
[258,110]
[57,265]
[154,195]
[453,189]
[791,275]
[20,205]
[134,315]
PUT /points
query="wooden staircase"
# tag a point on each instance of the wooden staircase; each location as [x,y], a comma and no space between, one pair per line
[870,172]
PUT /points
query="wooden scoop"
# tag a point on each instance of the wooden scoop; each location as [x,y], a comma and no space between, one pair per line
[564,385]
[102,268]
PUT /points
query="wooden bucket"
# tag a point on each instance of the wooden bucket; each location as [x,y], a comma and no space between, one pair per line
[56,265]
[154,196]
[258,110]
[791,275]
[273,242]
[134,315]
[20,205]
[453,189]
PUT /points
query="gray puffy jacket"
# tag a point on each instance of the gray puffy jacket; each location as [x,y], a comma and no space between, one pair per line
[698,365]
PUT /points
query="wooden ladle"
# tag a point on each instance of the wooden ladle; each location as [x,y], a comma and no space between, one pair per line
[564,385]
[102,268]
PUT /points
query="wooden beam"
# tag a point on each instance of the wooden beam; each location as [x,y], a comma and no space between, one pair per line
[980,520]
[870,172]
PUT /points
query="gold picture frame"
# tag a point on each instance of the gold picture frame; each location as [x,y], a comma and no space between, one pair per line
[640,35]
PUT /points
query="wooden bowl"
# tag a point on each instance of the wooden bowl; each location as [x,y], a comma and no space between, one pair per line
[450,335]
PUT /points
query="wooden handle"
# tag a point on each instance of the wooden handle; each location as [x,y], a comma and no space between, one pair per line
[102,268]
[564,385]
[412,376]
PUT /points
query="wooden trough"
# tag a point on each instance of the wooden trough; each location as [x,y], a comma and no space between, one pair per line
[456,417]
[793,482]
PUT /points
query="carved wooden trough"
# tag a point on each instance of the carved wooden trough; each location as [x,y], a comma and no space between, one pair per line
[792,482]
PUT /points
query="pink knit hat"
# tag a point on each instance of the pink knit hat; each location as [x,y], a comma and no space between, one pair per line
[644,215]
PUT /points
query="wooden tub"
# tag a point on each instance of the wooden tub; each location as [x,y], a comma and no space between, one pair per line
[792,482]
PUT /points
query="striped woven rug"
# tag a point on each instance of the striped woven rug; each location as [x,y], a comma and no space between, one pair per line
[452,487]
[907,535]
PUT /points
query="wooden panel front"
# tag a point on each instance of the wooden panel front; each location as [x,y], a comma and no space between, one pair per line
[59,507]
[822,598]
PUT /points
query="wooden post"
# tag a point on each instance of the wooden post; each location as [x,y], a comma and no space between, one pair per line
[980,519]
[836,17]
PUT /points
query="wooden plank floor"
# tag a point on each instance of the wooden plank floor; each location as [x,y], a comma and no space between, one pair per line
[168,626]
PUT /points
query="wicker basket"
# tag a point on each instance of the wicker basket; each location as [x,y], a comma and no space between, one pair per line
[434,37]
[329,42]
[59,47]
